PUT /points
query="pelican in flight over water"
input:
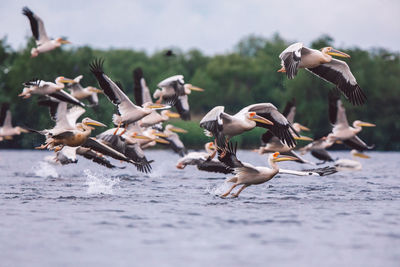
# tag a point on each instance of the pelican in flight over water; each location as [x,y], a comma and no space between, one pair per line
[321,63]
[7,131]
[43,43]
[318,149]
[79,92]
[351,164]
[342,131]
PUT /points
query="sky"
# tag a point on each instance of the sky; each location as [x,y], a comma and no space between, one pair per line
[214,27]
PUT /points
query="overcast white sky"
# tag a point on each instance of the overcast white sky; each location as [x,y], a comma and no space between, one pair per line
[214,27]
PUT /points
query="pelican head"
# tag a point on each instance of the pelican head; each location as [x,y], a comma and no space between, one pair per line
[88,121]
[62,41]
[170,114]
[210,147]
[254,117]
[188,88]
[358,123]
[356,153]
[298,127]
[172,128]
[276,157]
[333,52]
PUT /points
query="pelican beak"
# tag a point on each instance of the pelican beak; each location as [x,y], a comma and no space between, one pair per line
[303,128]
[95,90]
[284,158]
[211,146]
[256,118]
[161,135]
[172,114]
[366,124]
[337,53]
[361,155]
[63,41]
[161,141]
[303,138]
[158,106]
[139,136]
[195,88]
[180,166]
[178,130]
[339,142]
[65,80]
[94,123]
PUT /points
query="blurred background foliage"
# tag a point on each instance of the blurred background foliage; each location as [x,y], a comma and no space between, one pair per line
[242,77]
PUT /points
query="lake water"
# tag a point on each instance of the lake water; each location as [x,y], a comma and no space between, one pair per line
[87,215]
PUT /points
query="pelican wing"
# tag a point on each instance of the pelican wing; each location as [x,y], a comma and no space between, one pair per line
[175,83]
[73,114]
[37,26]
[111,90]
[182,106]
[176,144]
[229,159]
[67,155]
[141,91]
[281,124]
[356,143]
[213,166]
[337,112]
[291,57]
[290,111]
[51,103]
[4,115]
[213,122]
[95,157]
[64,134]
[103,148]
[299,158]
[267,137]
[321,154]
[93,99]
[314,172]
[75,86]
[64,96]
[338,73]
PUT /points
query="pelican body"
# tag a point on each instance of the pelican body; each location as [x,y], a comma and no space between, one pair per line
[7,131]
[350,164]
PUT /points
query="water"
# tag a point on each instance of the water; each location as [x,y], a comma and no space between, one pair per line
[87,215]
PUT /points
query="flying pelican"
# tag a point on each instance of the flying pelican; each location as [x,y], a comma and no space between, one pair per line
[321,63]
[44,44]
[247,174]
[129,112]
[173,87]
[142,95]
[173,138]
[318,149]
[40,87]
[351,164]
[219,124]
[341,130]
[89,93]
[7,131]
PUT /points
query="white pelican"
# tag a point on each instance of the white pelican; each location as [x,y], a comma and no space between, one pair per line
[318,149]
[142,95]
[40,87]
[341,130]
[44,44]
[247,174]
[129,112]
[323,65]
[351,164]
[79,92]
[220,124]
[173,87]
[7,131]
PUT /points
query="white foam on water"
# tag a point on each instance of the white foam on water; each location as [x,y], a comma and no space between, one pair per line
[45,170]
[220,189]
[98,184]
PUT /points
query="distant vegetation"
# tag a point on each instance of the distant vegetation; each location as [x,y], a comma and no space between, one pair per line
[245,76]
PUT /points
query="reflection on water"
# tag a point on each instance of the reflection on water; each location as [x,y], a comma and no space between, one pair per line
[85,215]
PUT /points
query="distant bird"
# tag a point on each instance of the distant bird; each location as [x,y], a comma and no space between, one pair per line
[142,95]
[247,174]
[43,43]
[89,93]
[223,126]
[7,131]
[169,53]
[175,87]
[40,87]
[318,149]
[341,130]
[350,164]
[129,112]
[321,63]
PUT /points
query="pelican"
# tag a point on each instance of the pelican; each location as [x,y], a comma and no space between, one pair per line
[247,174]
[321,63]
[219,124]
[7,131]
[341,130]
[142,95]
[43,43]
[129,112]
[40,87]
[318,149]
[173,87]
[272,144]
[89,93]
[351,164]
[173,138]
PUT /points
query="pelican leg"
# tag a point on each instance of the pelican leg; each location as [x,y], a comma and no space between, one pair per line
[116,131]
[224,149]
[159,100]
[43,146]
[240,190]
[124,131]
[58,148]
[229,191]
[282,69]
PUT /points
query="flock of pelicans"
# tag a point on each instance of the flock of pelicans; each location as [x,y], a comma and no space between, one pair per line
[140,126]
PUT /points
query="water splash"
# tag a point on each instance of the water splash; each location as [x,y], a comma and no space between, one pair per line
[98,184]
[218,190]
[45,170]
